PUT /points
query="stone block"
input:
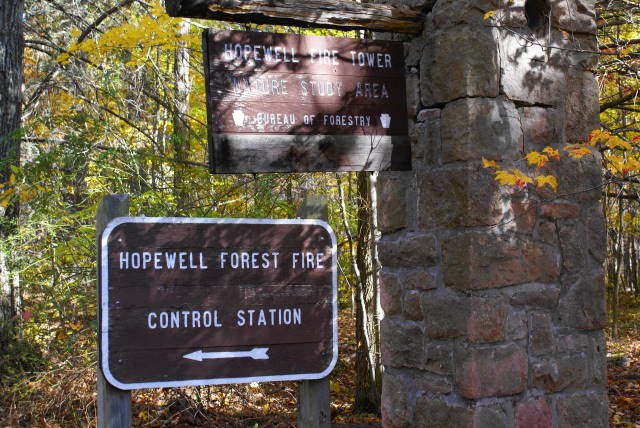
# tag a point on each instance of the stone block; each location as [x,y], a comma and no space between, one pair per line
[581,178]
[583,305]
[574,250]
[433,413]
[390,293]
[541,127]
[411,308]
[492,372]
[487,417]
[517,324]
[574,16]
[487,320]
[458,197]
[409,250]
[473,128]
[427,142]
[429,383]
[421,279]
[526,74]
[403,343]
[445,314]
[392,201]
[541,335]
[471,72]
[438,358]
[447,13]
[588,410]
[544,296]
[398,399]
[547,233]
[476,261]
[598,358]
[561,373]
[523,215]
[534,413]
[596,232]
[557,210]
[413,92]
[581,105]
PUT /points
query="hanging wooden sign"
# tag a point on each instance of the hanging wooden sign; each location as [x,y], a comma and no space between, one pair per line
[286,102]
[187,301]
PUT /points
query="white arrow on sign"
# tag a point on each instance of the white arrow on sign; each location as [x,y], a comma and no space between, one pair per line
[255,353]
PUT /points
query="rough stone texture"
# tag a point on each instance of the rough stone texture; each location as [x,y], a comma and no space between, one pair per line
[583,305]
[493,372]
[487,417]
[534,413]
[558,374]
[540,127]
[421,279]
[494,295]
[576,16]
[412,250]
[473,195]
[393,190]
[541,337]
[427,140]
[475,63]
[525,74]
[403,346]
[476,261]
[390,292]
[487,321]
[438,414]
[446,314]
[438,358]
[556,210]
[536,295]
[411,308]
[582,90]
[494,121]
[583,410]
[398,403]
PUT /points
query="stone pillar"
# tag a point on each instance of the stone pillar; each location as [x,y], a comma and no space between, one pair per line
[494,296]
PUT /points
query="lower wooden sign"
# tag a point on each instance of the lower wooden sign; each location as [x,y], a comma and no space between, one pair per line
[189,301]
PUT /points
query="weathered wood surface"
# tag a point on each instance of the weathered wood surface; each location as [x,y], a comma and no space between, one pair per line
[114,405]
[314,397]
[345,15]
[249,153]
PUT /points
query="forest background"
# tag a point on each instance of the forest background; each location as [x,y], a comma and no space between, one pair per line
[113,102]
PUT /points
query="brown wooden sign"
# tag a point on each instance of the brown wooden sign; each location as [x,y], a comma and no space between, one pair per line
[285,102]
[210,301]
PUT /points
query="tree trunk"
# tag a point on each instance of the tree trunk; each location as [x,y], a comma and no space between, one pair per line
[368,382]
[11,53]
[181,130]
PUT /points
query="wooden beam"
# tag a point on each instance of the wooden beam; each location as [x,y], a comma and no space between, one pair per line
[337,14]
[113,404]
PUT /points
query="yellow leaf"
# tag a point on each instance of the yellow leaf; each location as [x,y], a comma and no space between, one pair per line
[577,151]
[537,159]
[486,163]
[618,143]
[75,326]
[551,152]
[548,180]
[489,14]
[513,177]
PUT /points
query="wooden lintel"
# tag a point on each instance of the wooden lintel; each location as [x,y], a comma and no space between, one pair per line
[337,14]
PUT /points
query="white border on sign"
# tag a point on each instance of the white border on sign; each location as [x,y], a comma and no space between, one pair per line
[104,303]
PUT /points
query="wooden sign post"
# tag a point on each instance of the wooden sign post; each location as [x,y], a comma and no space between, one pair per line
[189,301]
[113,404]
[286,102]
